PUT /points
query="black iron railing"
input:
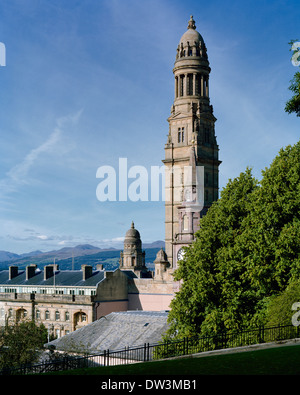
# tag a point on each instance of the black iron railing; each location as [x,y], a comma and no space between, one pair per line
[150,352]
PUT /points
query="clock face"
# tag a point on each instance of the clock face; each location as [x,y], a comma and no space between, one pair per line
[180,254]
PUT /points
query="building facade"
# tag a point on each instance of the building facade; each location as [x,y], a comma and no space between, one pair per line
[63,300]
[67,300]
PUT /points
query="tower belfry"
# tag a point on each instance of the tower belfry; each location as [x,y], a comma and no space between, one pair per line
[191,142]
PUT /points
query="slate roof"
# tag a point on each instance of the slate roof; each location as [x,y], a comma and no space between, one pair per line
[65,278]
[116,331]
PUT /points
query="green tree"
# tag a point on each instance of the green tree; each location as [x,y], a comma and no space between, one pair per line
[211,271]
[247,250]
[293,105]
[21,343]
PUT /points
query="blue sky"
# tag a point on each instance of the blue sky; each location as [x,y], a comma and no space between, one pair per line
[88,82]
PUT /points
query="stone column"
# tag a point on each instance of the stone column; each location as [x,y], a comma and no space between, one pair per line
[181,85]
[185,81]
[207,90]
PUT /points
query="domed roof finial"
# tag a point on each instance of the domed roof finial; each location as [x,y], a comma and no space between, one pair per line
[132,225]
[191,24]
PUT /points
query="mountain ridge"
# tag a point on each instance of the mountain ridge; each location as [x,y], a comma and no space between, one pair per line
[71,257]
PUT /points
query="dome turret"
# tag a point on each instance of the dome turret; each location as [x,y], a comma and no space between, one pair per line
[132,238]
[132,256]
[191,45]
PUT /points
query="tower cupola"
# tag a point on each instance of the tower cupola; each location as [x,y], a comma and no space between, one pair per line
[132,257]
[191,68]
[191,44]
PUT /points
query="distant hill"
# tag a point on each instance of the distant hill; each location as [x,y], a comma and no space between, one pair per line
[73,257]
[155,244]
[7,256]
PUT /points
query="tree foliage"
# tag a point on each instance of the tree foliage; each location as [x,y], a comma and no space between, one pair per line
[21,343]
[246,251]
[293,105]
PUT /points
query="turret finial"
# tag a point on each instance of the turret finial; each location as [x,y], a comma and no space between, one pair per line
[191,24]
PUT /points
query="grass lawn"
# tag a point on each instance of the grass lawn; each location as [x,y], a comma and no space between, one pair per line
[282,360]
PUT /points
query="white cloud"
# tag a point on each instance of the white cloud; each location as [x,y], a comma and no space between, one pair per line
[19,174]
[42,237]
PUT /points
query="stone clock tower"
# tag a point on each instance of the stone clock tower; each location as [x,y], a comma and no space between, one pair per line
[191,145]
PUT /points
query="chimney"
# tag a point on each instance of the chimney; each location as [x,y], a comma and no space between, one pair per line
[86,271]
[100,266]
[49,270]
[30,271]
[13,272]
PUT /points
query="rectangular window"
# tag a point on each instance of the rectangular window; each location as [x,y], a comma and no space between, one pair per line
[206,136]
[190,84]
[180,135]
[206,179]
[181,85]
[206,195]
